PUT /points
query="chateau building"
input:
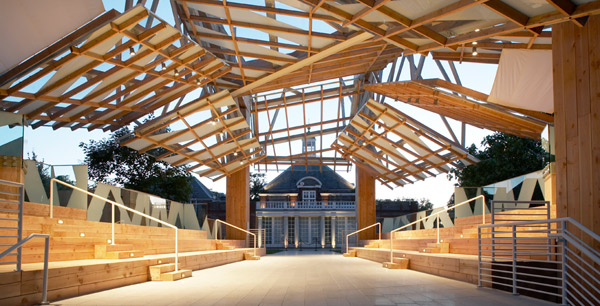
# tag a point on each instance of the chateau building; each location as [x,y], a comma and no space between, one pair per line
[307,206]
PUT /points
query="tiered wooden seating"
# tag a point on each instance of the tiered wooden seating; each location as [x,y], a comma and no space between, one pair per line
[72,237]
[76,244]
[456,254]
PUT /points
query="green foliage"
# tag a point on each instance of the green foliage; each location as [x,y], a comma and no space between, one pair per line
[422,203]
[110,163]
[504,156]
[257,182]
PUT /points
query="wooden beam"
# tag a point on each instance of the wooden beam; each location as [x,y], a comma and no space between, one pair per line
[354,39]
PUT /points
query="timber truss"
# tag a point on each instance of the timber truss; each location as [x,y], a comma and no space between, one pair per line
[267,74]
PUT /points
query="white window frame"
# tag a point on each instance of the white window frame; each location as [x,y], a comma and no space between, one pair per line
[309,196]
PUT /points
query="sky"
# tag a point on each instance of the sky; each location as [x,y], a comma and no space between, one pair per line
[61,147]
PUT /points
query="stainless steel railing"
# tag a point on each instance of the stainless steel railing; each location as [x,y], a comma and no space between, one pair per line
[362,229]
[113,204]
[215,231]
[437,216]
[554,258]
[9,199]
[18,246]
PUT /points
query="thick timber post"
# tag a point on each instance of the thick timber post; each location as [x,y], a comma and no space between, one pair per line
[576,74]
[365,203]
[237,204]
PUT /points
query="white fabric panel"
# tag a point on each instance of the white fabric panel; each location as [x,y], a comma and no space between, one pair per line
[524,80]
[36,24]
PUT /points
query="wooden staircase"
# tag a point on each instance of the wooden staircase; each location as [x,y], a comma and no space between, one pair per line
[166,272]
[434,247]
[397,263]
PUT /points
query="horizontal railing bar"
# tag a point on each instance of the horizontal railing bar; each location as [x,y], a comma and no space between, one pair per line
[583,269]
[9,219]
[571,302]
[538,291]
[536,283]
[9,210]
[9,227]
[8,262]
[510,265]
[10,201]
[515,201]
[9,193]
[15,184]
[569,235]
[588,283]
[579,292]
[7,236]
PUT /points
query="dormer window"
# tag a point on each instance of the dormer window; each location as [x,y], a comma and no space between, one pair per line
[309,182]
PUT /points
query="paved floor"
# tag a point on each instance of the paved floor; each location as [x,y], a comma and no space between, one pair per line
[304,278]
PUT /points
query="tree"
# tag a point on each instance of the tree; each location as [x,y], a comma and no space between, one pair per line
[257,182]
[425,204]
[110,163]
[503,156]
[46,177]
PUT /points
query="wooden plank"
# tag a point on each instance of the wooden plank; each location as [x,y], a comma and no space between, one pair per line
[237,204]
[365,199]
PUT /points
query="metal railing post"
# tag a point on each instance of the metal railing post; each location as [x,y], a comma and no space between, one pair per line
[438,228]
[479,256]
[51,200]
[564,265]
[514,260]
[112,221]
[20,226]
[45,281]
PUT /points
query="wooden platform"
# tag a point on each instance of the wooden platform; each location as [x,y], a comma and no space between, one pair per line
[72,278]
[455,266]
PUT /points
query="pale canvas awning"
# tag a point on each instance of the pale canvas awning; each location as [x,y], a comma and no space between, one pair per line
[396,148]
[30,26]
[443,98]
[108,73]
[524,80]
[208,135]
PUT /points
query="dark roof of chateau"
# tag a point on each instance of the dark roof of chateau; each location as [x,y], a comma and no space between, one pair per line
[287,180]
[199,192]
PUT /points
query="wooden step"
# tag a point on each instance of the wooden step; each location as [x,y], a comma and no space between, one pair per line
[430,250]
[157,270]
[100,250]
[175,275]
[251,256]
[398,263]
[224,246]
[124,254]
[351,253]
[444,247]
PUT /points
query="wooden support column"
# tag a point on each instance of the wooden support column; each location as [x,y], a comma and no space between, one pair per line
[365,203]
[237,204]
[576,73]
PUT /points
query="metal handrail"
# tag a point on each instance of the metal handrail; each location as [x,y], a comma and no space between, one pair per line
[21,196]
[437,214]
[565,249]
[46,252]
[113,204]
[362,229]
[238,228]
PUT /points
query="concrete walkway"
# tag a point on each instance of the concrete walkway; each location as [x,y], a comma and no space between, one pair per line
[304,278]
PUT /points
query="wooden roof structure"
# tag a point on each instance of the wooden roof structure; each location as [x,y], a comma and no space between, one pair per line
[396,148]
[443,97]
[276,59]
[210,136]
[109,73]
[305,41]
